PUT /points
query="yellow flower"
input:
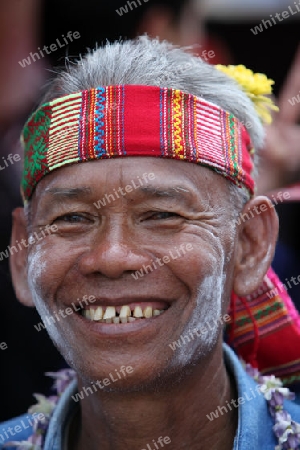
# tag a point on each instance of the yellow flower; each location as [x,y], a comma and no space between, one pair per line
[256,85]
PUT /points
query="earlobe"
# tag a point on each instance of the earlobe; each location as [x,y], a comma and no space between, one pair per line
[18,258]
[257,237]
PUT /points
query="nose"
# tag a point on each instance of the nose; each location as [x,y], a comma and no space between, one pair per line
[112,254]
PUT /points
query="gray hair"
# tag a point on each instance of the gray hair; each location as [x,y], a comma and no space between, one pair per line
[146,61]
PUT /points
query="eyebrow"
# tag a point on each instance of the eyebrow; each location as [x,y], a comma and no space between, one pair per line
[177,192]
[67,193]
[155,191]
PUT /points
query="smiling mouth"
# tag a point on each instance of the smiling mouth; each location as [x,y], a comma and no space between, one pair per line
[121,314]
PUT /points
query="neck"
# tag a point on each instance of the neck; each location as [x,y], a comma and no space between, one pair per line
[176,415]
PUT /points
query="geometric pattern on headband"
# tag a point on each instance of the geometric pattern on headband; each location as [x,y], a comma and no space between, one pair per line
[130,120]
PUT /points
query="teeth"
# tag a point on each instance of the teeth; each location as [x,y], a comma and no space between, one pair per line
[125,312]
[148,312]
[98,313]
[131,319]
[138,312]
[110,312]
[87,314]
[124,316]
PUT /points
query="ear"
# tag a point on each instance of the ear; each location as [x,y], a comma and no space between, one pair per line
[257,237]
[18,259]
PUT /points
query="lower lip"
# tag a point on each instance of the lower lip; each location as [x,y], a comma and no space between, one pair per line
[151,325]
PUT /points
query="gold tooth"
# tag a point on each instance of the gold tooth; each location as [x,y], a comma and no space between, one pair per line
[138,312]
[131,319]
[148,312]
[110,312]
[116,320]
[125,311]
[98,313]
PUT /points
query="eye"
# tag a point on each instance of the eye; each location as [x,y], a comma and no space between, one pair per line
[163,215]
[71,218]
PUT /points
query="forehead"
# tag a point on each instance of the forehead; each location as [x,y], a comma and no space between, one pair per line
[145,174]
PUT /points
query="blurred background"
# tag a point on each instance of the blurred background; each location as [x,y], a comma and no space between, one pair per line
[236,32]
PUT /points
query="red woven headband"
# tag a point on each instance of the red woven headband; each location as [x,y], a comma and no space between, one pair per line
[115,121]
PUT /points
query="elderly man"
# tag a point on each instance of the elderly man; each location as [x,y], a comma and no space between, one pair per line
[132,258]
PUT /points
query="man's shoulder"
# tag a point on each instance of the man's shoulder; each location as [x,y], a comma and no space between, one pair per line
[17,429]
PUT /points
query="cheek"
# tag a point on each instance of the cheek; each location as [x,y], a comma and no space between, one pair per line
[44,270]
[37,274]
[212,286]
[206,273]
[37,268]
[44,275]
[208,300]
[203,266]
[208,306]
[48,262]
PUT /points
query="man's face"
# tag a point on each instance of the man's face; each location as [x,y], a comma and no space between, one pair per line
[175,210]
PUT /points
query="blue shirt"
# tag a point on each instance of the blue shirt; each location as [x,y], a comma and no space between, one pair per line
[254,430]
